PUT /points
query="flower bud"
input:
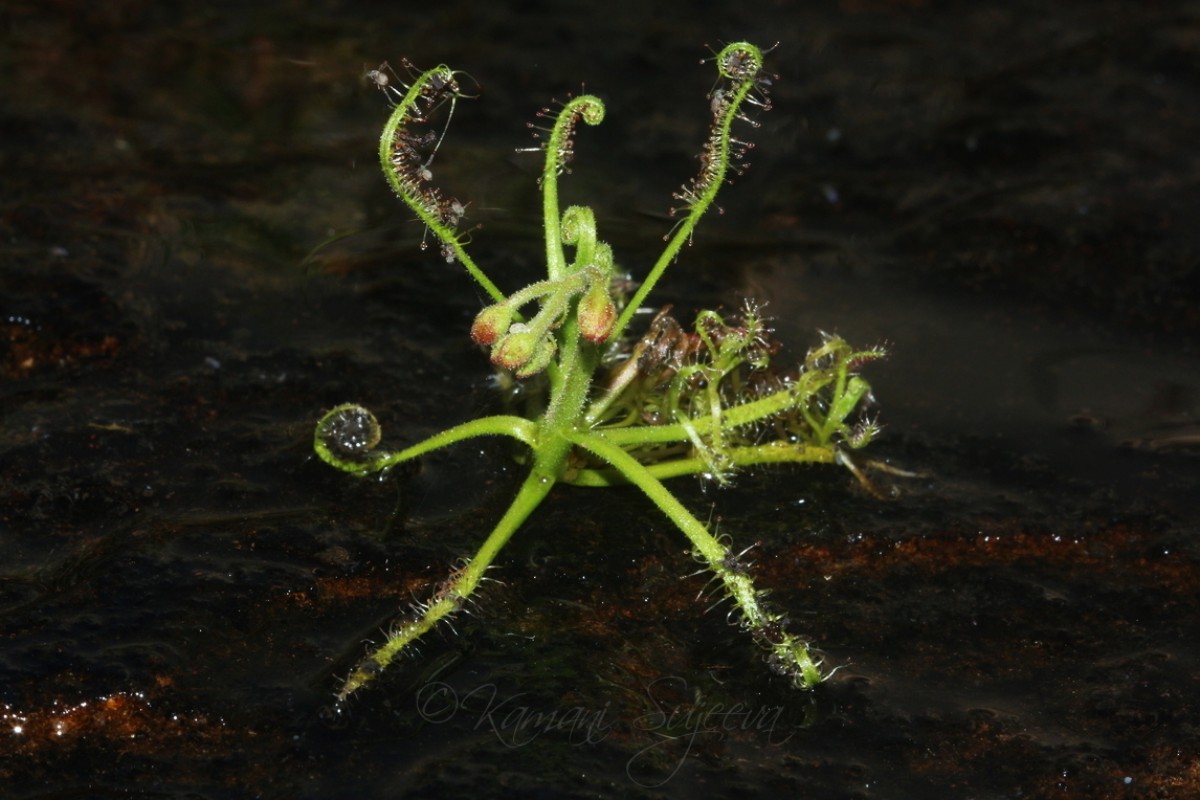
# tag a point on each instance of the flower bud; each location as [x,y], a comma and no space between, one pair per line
[515,348]
[542,354]
[597,313]
[491,323]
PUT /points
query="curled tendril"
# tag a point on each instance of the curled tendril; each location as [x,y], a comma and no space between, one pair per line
[560,146]
[559,138]
[560,149]
[740,68]
[578,223]
[406,152]
[740,61]
[579,231]
[741,82]
[346,438]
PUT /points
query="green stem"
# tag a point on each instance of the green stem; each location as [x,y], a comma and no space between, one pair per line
[551,444]
[598,444]
[773,453]
[796,394]
[518,428]
[556,260]
[454,592]
[788,653]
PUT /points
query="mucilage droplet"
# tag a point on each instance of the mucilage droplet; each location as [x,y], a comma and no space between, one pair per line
[350,430]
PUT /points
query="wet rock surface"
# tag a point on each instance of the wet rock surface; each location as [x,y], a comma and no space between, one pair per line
[198,257]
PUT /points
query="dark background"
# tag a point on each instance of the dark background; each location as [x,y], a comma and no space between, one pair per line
[198,256]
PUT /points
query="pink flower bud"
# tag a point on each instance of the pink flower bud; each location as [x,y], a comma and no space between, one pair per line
[542,355]
[514,349]
[491,323]
[597,313]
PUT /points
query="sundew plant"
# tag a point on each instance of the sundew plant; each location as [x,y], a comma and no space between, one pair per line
[621,407]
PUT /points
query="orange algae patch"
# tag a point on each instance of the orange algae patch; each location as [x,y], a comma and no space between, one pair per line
[123,723]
